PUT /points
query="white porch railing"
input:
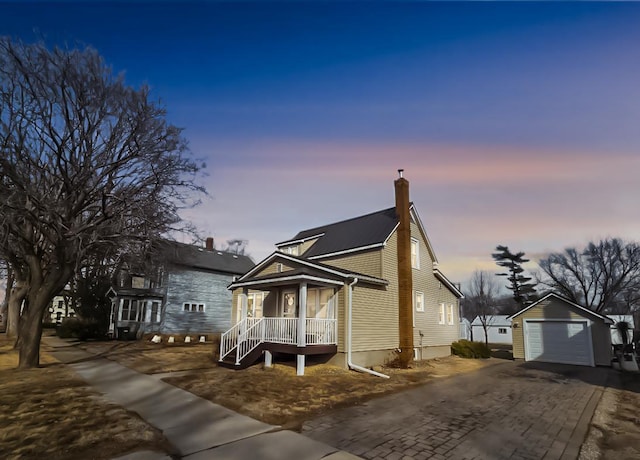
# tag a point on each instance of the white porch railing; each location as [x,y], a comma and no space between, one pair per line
[248,333]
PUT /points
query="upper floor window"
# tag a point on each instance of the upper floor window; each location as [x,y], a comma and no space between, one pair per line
[293,250]
[137,282]
[193,306]
[415,253]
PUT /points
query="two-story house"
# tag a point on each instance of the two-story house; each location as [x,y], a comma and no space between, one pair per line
[186,293]
[357,290]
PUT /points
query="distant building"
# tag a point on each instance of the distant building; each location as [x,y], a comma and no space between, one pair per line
[498,329]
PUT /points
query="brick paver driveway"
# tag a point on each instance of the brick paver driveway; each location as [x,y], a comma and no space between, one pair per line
[510,410]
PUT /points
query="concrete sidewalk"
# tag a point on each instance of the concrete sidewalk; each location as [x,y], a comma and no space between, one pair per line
[198,429]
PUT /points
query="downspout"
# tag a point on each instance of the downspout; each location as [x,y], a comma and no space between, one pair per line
[349,317]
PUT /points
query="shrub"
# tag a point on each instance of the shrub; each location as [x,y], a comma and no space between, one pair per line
[80,329]
[468,349]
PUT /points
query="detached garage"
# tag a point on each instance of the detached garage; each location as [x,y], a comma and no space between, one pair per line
[557,330]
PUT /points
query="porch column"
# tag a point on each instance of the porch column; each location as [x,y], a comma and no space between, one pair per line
[243,308]
[302,326]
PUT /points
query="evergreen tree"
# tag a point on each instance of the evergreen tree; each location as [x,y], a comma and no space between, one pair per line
[523,289]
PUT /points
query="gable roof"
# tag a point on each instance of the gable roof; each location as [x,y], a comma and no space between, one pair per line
[360,233]
[189,255]
[363,232]
[567,301]
[306,269]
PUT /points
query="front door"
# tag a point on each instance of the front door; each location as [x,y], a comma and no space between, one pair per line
[289,304]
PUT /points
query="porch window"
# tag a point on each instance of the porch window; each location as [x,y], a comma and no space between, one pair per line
[129,311]
[441,317]
[415,253]
[320,303]
[193,307]
[255,300]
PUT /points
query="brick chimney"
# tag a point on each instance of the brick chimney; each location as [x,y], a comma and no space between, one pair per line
[209,244]
[405,274]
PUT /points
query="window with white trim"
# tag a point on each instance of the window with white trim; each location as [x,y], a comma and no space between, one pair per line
[129,310]
[502,330]
[441,317]
[155,312]
[415,253]
[450,314]
[193,307]
[418,301]
[293,250]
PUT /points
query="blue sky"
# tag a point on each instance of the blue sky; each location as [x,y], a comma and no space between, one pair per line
[516,123]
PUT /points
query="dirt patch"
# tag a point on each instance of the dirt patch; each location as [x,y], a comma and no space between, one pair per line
[50,413]
[615,428]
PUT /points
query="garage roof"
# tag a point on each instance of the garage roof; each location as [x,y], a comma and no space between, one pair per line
[585,310]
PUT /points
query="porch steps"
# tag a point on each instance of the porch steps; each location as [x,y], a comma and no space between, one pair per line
[230,360]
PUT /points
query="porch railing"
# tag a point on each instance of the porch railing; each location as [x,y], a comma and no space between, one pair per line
[248,333]
[321,331]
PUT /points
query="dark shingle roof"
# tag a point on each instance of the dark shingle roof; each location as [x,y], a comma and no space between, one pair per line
[358,232]
[198,257]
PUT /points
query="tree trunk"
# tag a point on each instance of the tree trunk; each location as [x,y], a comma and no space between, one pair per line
[4,308]
[16,297]
[30,336]
[40,293]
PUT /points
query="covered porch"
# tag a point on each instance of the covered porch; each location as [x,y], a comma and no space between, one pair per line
[278,316]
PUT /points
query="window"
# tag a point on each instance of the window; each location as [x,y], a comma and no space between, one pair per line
[155,312]
[137,282]
[129,311]
[441,318]
[450,314]
[418,301]
[193,306]
[320,303]
[293,250]
[415,253]
[502,330]
[254,304]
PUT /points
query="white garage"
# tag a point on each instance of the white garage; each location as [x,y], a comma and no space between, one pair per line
[567,342]
[557,330]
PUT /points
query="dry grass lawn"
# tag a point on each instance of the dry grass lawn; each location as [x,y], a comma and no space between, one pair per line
[50,413]
[274,395]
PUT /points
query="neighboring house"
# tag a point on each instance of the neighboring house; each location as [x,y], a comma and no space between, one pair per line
[335,290]
[186,294]
[498,329]
[556,330]
[465,329]
[60,309]
[615,335]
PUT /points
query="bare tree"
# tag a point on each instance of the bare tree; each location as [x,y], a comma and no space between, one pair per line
[480,299]
[86,162]
[603,277]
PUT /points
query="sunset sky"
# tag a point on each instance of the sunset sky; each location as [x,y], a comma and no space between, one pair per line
[516,123]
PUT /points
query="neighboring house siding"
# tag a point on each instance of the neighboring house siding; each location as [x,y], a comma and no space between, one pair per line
[189,285]
[555,309]
[367,263]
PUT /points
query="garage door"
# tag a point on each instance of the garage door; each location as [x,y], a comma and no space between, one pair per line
[567,342]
